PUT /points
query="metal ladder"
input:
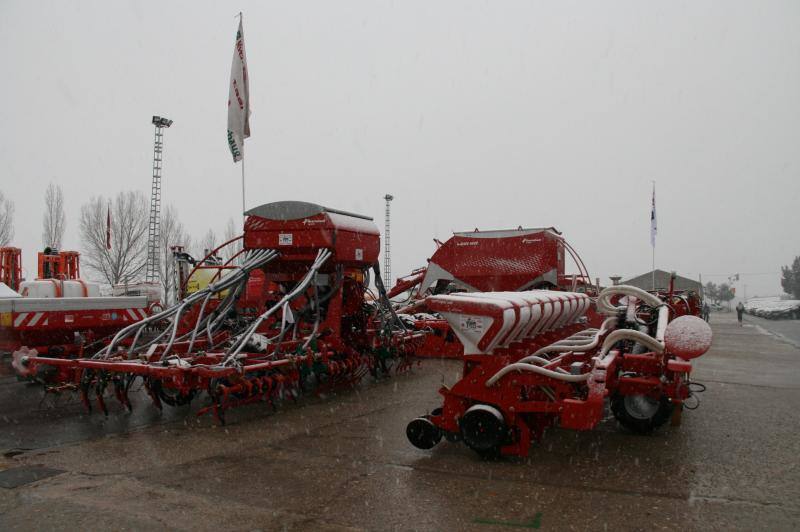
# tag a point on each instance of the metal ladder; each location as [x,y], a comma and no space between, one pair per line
[154,230]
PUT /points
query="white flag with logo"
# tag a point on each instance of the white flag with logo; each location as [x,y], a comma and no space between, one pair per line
[653,224]
[238,99]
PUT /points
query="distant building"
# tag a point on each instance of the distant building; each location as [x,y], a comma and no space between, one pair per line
[645,282]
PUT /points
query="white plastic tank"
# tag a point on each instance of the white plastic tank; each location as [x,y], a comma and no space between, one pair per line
[151,290]
[57,288]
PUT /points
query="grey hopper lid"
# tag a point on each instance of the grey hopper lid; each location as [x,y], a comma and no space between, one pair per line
[295,210]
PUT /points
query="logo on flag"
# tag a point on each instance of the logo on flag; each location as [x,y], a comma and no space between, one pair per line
[238,99]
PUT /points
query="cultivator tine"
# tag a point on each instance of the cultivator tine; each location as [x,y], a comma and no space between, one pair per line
[219,413]
[268,391]
[87,404]
[121,392]
[153,396]
[102,404]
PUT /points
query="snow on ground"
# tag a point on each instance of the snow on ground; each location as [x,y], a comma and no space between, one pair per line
[773,308]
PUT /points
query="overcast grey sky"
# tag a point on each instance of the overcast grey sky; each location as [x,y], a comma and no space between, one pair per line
[473,114]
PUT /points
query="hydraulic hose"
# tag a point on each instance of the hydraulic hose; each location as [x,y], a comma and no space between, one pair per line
[608,324]
[257,259]
[322,256]
[573,344]
[629,334]
[604,299]
[522,366]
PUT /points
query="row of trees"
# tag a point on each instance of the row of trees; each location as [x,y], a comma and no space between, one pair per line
[126,259]
[790,278]
[53,223]
[719,293]
[55,219]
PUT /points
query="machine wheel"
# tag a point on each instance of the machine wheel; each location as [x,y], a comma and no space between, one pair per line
[170,396]
[640,413]
[484,430]
[422,433]
[452,437]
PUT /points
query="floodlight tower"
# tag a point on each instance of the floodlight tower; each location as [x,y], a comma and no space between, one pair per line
[387,257]
[154,228]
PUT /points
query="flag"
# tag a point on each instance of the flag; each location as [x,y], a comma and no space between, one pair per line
[108,228]
[238,99]
[653,224]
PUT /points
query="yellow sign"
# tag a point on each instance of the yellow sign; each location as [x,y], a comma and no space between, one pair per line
[200,279]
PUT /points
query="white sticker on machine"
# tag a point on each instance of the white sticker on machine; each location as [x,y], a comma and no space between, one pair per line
[470,324]
[359,254]
[285,239]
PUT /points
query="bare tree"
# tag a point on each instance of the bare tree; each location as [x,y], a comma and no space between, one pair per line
[231,232]
[206,244]
[54,219]
[172,234]
[6,220]
[127,258]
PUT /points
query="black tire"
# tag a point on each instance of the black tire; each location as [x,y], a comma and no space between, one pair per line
[484,431]
[641,414]
[423,434]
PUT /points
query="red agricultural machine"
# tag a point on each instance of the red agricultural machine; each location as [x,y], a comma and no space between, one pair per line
[295,314]
[58,313]
[485,261]
[531,361]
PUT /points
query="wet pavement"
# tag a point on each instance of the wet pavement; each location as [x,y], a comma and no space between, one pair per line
[786,330]
[342,462]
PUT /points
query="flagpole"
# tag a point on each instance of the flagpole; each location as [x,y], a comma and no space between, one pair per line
[243,203]
[654,267]
[246,129]
[653,230]
[243,194]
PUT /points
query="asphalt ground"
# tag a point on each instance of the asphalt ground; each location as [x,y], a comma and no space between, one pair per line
[786,330]
[342,462]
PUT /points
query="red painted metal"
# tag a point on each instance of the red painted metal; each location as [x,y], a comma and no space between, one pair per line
[64,332]
[64,327]
[11,267]
[501,260]
[354,240]
[64,265]
[335,335]
[514,388]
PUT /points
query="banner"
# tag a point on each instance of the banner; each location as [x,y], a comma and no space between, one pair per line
[238,99]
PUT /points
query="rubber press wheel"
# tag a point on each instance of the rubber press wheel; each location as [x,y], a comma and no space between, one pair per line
[641,413]
[484,430]
[422,433]
[170,396]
